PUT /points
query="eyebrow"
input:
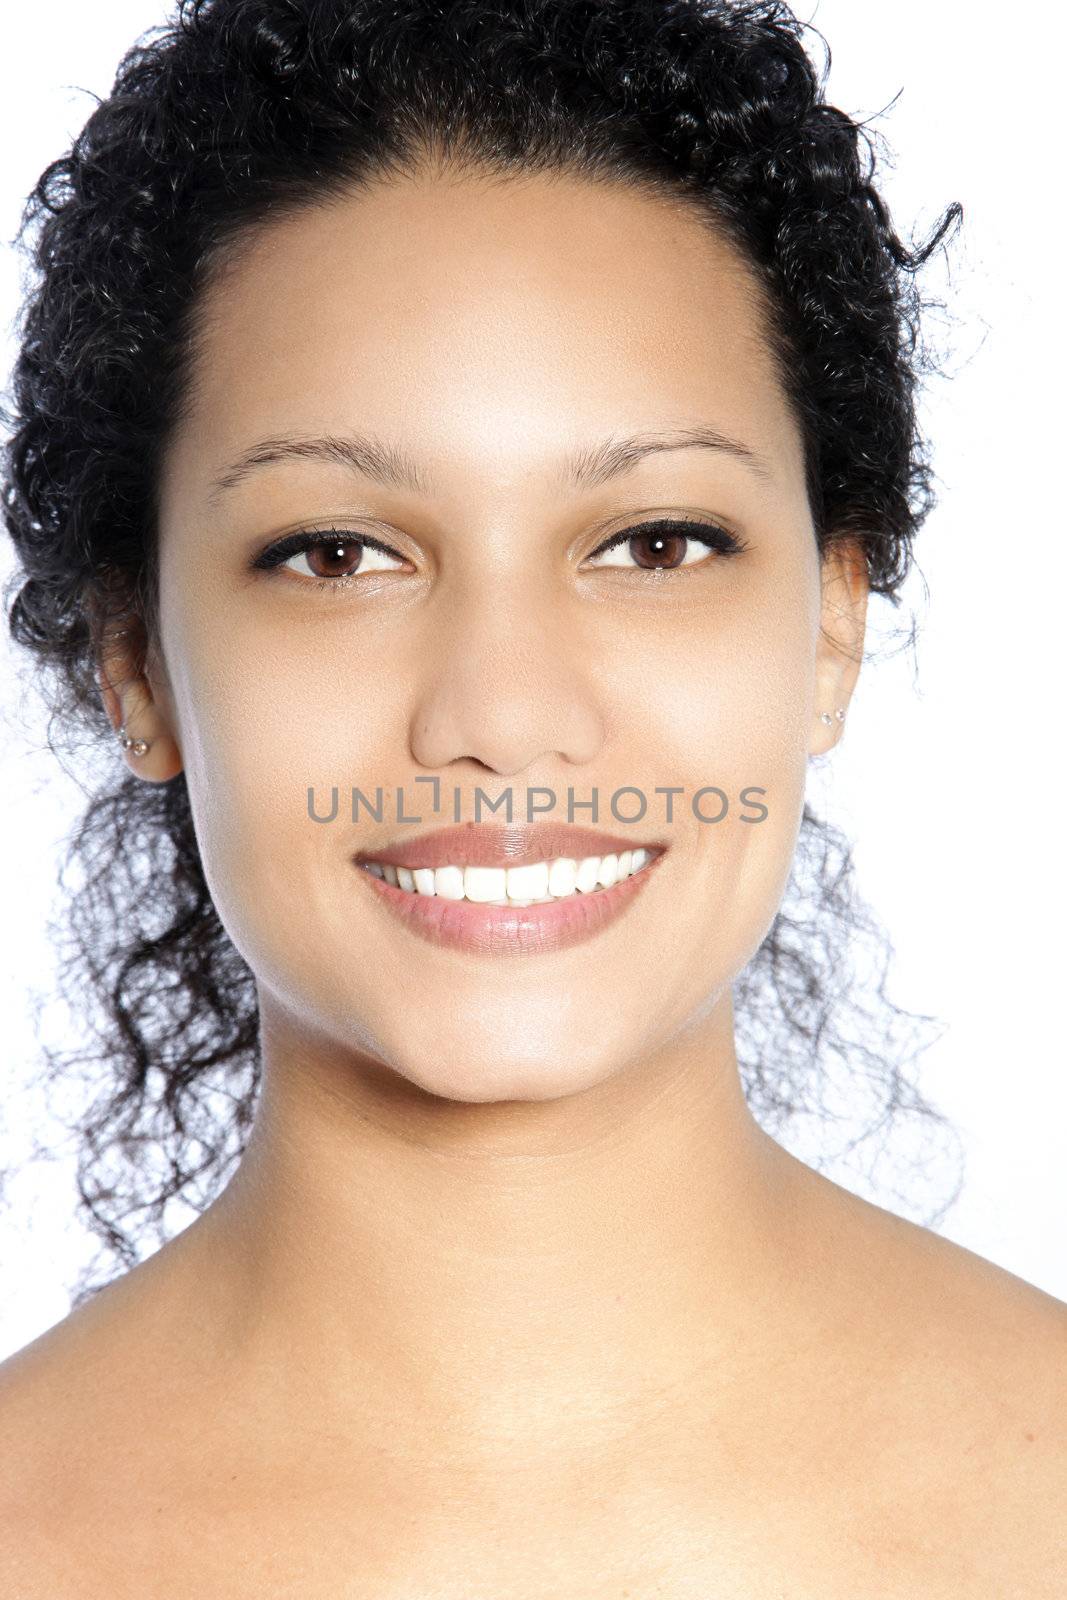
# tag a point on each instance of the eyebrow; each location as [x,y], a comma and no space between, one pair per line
[589,467]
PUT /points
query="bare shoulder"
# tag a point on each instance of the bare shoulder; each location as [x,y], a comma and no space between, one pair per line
[967,1416]
[35,1453]
[1003,1336]
[82,1407]
[924,1438]
[48,1426]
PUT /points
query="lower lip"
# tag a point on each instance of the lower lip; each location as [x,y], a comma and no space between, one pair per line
[510,930]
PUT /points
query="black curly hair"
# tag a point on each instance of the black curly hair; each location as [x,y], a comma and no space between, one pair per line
[219,122]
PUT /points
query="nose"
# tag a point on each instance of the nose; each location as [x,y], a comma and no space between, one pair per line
[506,683]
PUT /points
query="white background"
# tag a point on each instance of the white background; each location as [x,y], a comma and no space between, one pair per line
[948,783]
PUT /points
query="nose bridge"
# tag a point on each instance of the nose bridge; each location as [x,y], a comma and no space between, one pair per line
[505,600]
[502,678]
[508,613]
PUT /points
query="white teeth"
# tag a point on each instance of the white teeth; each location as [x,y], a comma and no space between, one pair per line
[484,883]
[532,885]
[562,878]
[609,871]
[448,883]
[527,883]
[588,873]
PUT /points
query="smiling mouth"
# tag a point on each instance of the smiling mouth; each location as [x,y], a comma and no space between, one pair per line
[463,908]
[538,883]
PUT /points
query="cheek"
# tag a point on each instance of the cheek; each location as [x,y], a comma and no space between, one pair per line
[732,712]
[725,691]
[264,716]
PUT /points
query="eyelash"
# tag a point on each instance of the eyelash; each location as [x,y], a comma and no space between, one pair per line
[706,533]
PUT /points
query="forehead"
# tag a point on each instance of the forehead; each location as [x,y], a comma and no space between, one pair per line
[454,308]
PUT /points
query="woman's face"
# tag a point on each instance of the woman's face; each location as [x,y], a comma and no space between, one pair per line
[490,335]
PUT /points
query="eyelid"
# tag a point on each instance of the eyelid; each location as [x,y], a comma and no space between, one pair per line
[710,534]
[293,544]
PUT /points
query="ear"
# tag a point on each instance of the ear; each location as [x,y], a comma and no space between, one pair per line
[132,700]
[839,652]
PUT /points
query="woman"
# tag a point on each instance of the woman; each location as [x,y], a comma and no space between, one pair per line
[424,408]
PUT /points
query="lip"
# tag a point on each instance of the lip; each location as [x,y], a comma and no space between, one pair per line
[507,930]
[512,844]
[486,930]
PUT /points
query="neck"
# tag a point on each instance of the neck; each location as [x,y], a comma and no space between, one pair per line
[507,1273]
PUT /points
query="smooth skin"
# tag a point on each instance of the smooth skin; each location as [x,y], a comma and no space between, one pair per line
[510,1295]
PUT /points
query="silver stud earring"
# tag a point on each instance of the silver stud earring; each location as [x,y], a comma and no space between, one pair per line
[138,746]
[828,719]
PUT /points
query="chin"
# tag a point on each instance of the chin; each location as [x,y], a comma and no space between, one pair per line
[470,1081]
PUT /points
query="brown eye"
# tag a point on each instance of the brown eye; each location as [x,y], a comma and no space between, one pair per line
[329,557]
[333,558]
[669,543]
[659,549]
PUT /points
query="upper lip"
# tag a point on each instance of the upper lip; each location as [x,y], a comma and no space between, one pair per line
[513,844]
